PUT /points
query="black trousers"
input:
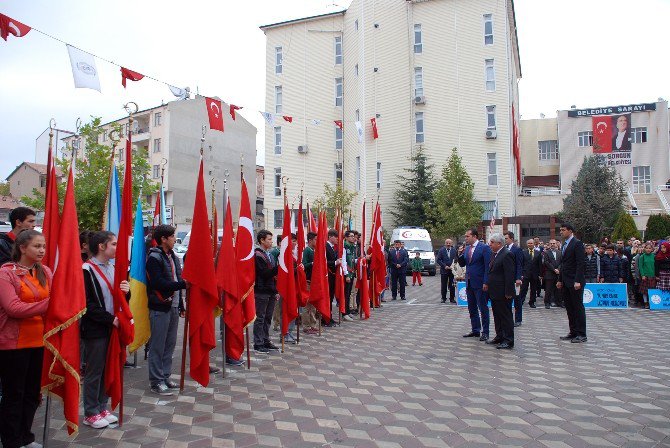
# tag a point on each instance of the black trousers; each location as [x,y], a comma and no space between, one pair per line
[348,286]
[447,284]
[574,306]
[526,284]
[398,276]
[503,320]
[551,293]
[21,374]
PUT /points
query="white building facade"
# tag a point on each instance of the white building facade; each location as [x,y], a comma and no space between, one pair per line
[434,74]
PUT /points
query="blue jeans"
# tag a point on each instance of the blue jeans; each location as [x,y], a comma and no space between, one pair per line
[477,304]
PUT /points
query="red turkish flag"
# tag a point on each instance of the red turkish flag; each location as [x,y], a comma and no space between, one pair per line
[301,287]
[246,263]
[339,124]
[378,258]
[51,222]
[516,146]
[203,293]
[233,108]
[339,270]
[319,296]
[312,222]
[129,74]
[362,273]
[60,367]
[214,114]
[226,274]
[375,134]
[286,275]
[287,118]
[11,26]
[602,134]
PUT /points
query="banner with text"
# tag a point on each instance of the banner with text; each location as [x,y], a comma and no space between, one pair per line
[606,295]
[659,300]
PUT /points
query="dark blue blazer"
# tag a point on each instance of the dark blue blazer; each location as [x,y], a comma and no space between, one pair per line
[518,261]
[392,260]
[445,257]
[476,271]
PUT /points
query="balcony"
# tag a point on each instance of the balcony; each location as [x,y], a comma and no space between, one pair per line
[141,134]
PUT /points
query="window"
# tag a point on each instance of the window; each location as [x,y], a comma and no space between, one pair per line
[158,116]
[418,119]
[279,58]
[278,181]
[488,29]
[157,145]
[490,117]
[492,168]
[379,175]
[358,173]
[490,75]
[418,81]
[358,115]
[278,99]
[338,172]
[157,171]
[418,41]
[338,92]
[585,138]
[489,207]
[338,50]
[641,179]
[279,218]
[277,140]
[638,135]
[103,136]
[43,181]
[121,156]
[338,138]
[356,70]
[548,149]
[356,24]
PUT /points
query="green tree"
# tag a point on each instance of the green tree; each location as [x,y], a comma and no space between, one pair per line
[596,199]
[625,228]
[36,201]
[658,227]
[4,189]
[415,195]
[455,208]
[334,198]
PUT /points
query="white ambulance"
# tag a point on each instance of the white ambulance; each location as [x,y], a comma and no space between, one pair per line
[416,239]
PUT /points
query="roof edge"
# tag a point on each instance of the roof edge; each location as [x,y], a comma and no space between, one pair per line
[302,19]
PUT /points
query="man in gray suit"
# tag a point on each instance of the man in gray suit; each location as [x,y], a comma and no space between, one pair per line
[551,260]
[500,281]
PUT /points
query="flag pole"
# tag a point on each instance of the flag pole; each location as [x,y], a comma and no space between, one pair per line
[281,304]
[246,329]
[222,319]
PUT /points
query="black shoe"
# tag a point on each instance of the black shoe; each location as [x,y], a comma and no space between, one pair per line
[517,324]
[484,337]
[553,305]
[494,341]
[172,385]
[214,369]
[444,300]
[532,305]
[472,334]
[567,337]
[394,298]
[261,349]
[578,339]
[560,305]
[271,346]
[452,301]
[547,306]
[505,346]
[234,362]
[402,298]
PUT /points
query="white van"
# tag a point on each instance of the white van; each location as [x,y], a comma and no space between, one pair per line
[417,239]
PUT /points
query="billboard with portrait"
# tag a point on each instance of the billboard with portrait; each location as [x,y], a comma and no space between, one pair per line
[612,138]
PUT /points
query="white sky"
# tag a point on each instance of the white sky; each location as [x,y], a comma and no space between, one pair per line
[582,52]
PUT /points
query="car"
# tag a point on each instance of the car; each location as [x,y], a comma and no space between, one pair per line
[180,251]
[5,227]
[417,239]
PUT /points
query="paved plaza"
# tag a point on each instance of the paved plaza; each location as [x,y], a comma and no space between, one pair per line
[406,378]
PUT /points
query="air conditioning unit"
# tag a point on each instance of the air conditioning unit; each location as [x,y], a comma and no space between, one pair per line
[419,100]
[302,149]
[491,134]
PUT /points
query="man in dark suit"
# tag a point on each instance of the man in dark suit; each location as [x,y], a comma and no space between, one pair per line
[571,280]
[398,259]
[332,261]
[518,273]
[500,282]
[621,138]
[551,260]
[529,273]
[445,258]
[475,257]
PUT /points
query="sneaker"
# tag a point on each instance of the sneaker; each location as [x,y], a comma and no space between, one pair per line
[270,346]
[214,369]
[234,362]
[261,349]
[311,330]
[111,418]
[161,389]
[347,317]
[172,385]
[96,421]
[289,339]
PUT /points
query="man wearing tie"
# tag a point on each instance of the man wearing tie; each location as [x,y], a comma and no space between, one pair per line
[551,260]
[476,257]
[571,280]
[529,273]
[398,259]
[518,271]
[500,282]
[445,258]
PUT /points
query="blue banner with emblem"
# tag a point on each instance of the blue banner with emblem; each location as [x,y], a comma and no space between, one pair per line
[659,300]
[605,296]
[462,299]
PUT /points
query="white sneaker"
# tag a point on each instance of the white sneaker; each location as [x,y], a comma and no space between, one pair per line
[111,418]
[347,317]
[96,421]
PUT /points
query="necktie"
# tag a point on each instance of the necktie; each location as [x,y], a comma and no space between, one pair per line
[563,248]
[397,255]
[530,251]
[492,260]
[470,253]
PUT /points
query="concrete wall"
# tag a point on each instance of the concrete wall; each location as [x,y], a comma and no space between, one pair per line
[539,205]
[23,181]
[531,133]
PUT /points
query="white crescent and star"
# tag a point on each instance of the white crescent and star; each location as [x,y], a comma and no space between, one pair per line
[598,126]
[17,31]
[213,105]
[282,251]
[245,223]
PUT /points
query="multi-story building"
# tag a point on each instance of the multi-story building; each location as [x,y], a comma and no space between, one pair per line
[433,74]
[171,136]
[28,177]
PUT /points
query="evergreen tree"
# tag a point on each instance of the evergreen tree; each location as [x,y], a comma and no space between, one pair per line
[596,199]
[415,194]
[658,227]
[455,209]
[625,228]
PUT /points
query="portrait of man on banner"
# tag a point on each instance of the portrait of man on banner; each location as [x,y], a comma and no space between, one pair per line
[621,133]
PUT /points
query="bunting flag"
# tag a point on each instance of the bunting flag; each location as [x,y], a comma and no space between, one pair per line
[319,295]
[84,71]
[233,108]
[51,223]
[226,275]
[180,93]
[375,134]
[123,335]
[246,263]
[301,275]
[129,74]
[339,124]
[60,371]
[359,130]
[362,272]
[339,270]
[516,146]
[112,214]
[214,114]
[286,274]
[287,118]
[10,26]
[139,299]
[316,122]
[311,221]
[269,118]
[199,272]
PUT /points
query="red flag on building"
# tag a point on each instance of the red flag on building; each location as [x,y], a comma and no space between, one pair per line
[129,74]
[375,134]
[233,108]
[246,264]
[339,269]
[51,222]
[311,221]
[516,146]
[11,26]
[203,294]
[339,124]
[226,274]
[301,287]
[602,134]
[319,296]
[362,272]
[286,274]
[214,114]
[287,118]
[60,368]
